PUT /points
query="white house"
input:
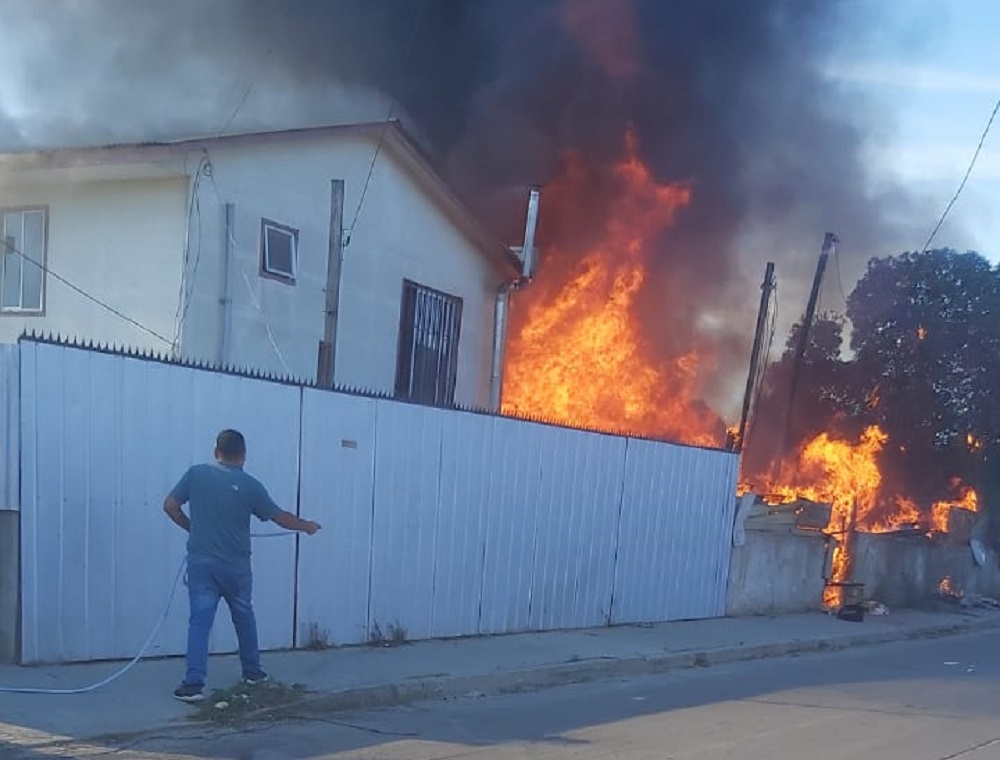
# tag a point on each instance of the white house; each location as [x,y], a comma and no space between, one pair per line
[272,251]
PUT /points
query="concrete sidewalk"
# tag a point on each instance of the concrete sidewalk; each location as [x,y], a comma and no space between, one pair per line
[364,677]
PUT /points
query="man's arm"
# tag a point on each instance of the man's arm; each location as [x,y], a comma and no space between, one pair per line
[173,509]
[178,496]
[288,521]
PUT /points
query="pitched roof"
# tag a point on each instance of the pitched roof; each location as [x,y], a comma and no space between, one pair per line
[391,136]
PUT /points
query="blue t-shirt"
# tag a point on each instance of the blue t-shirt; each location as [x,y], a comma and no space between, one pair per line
[222,498]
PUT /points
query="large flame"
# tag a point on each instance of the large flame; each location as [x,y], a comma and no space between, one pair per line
[580,356]
[846,475]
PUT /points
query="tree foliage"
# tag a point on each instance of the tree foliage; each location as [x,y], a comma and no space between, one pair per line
[924,366]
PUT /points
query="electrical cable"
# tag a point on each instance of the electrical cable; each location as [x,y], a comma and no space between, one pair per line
[72,286]
[142,651]
[385,125]
[961,186]
[765,365]
[194,207]
[840,281]
[246,279]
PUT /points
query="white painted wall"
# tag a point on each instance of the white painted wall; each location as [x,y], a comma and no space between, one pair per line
[120,241]
[401,233]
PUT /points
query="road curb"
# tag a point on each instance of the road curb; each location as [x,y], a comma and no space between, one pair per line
[584,671]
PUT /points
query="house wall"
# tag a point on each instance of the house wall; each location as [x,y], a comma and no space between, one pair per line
[401,233]
[119,241]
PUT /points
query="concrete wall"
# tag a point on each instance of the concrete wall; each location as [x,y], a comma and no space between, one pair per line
[402,233]
[120,241]
[776,572]
[907,571]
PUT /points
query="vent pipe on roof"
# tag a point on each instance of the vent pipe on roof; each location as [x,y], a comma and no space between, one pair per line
[501,306]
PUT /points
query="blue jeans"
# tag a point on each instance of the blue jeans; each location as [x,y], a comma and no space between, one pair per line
[208,580]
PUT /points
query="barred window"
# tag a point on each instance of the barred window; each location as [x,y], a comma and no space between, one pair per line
[427,363]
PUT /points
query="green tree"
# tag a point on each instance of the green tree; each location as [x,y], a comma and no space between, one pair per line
[926,340]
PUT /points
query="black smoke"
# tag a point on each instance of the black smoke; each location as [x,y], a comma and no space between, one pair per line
[729,95]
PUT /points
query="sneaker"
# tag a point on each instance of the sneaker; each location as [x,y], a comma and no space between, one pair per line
[189,692]
[255,678]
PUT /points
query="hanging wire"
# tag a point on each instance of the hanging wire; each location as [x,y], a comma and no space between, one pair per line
[387,123]
[961,186]
[89,296]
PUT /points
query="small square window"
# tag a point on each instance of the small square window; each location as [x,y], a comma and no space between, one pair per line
[279,251]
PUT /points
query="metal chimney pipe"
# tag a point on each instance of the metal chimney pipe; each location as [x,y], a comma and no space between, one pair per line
[531,223]
[501,306]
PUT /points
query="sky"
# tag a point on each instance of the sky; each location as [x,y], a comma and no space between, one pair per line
[930,70]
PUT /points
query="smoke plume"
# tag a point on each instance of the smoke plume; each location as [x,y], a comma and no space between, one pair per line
[727,95]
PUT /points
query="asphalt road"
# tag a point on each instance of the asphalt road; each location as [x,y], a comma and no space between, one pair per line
[925,700]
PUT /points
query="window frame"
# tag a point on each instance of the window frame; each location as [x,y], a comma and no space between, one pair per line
[408,340]
[266,270]
[8,311]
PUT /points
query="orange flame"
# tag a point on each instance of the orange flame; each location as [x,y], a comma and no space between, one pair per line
[965,498]
[580,356]
[846,475]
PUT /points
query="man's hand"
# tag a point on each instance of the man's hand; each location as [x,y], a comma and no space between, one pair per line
[173,508]
[288,521]
[309,527]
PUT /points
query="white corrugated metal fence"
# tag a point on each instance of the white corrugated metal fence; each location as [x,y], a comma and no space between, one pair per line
[436,523]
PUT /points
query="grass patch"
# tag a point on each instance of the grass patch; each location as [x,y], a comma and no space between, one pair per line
[245,703]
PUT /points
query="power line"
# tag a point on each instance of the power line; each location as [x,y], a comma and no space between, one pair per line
[840,281]
[388,121]
[76,288]
[968,172]
[185,295]
[246,280]
[243,98]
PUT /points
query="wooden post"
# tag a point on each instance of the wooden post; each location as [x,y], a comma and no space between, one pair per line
[327,358]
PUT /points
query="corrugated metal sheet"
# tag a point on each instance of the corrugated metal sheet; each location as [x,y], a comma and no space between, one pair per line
[103,440]
[10,427]
[404,543]
[464,495]
[673,547]
[437,522]
[551,527]
[338,464]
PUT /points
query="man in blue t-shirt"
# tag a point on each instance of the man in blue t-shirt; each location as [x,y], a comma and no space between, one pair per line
[222,498]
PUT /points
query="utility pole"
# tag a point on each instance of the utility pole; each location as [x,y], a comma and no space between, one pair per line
[766,288]
[326,362]
[830,242]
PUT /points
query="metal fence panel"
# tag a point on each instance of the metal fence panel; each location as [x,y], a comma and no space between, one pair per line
[437,522]
[338,466]
[104,438]
[673,551]
[404,546]
[514,475]
[576,518]
[465,492]
[10,427]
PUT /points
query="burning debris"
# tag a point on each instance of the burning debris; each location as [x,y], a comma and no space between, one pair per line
[950,591]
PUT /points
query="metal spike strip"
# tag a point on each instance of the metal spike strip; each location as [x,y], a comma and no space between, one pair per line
[145,354]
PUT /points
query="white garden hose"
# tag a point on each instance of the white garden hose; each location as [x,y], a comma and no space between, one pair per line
[145,647]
